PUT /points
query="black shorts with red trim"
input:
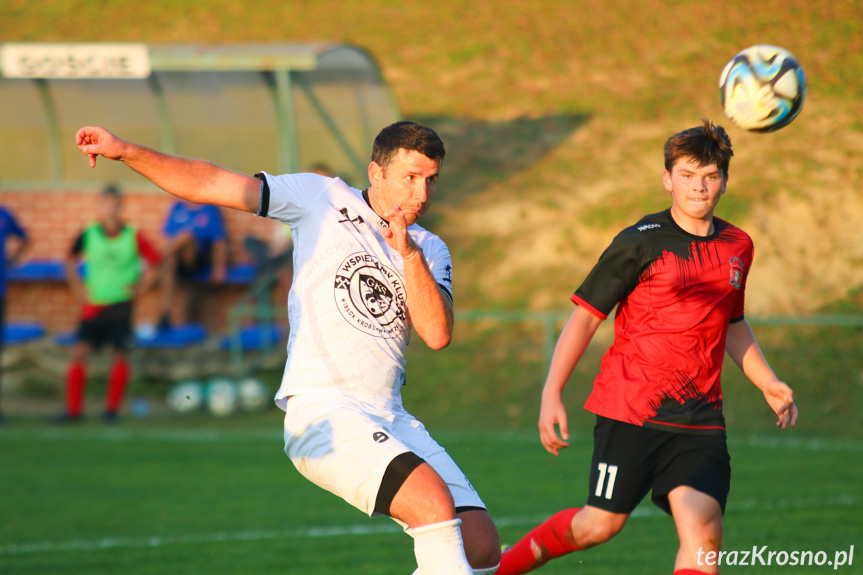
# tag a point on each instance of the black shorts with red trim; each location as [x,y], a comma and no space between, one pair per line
[111,324]
[630,460]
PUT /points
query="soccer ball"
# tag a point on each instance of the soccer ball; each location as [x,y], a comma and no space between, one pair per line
[762,88]
[221,397]
[253,394]
[186,396]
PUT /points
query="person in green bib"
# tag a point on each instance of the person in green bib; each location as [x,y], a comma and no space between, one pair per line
[114,255]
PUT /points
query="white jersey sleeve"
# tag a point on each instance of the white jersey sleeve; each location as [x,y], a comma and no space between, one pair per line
[286,198]
[437,257]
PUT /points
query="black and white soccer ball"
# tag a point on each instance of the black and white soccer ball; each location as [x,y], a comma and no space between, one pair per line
[762,89]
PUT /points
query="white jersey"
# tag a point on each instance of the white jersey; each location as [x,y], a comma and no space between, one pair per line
[348,304]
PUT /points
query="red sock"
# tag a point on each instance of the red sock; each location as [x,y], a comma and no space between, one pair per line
[690,572]
[544,543]
[117,381]
[76,377]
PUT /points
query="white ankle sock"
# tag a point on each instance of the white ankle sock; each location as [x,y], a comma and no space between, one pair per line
[439,549]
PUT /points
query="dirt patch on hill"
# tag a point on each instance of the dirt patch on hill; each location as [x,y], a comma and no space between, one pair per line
[797,194]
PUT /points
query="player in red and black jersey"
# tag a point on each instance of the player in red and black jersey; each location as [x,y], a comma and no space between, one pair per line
[678,279]
[676,292]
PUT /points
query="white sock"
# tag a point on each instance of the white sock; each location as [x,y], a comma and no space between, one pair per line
[439,549]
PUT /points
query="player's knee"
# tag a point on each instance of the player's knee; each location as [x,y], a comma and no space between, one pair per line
[80,353]
[706,534]
[440,505]
[482,551]
[604,532]
[600,531]
[483,556]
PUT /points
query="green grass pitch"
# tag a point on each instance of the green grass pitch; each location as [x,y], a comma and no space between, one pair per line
[199,495]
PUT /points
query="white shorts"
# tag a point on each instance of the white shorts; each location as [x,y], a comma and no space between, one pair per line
[345,446]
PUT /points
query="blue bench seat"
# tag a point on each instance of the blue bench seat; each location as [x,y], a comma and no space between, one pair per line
[252,337]
[177,337]
[37,270]
[55,271]
[18,333]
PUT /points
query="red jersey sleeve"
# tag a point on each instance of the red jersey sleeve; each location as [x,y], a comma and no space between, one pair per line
[147,250]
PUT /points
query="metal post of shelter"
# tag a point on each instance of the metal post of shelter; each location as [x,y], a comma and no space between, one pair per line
[289,157]
[166,129]
[332,126]
[55,150]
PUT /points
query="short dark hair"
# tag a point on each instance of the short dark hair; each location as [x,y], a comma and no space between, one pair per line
[112,191]
[706,144]
[406,135]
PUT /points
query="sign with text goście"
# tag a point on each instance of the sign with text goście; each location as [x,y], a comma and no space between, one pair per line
[20,60]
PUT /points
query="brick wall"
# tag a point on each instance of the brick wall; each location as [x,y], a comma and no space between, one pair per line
[54,218]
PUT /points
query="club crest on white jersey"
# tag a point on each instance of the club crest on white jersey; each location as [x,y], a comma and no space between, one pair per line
[371,296]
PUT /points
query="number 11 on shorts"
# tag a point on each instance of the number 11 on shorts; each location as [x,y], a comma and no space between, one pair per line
[611,472]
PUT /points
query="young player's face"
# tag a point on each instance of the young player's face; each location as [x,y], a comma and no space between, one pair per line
[695,192]
[408,182]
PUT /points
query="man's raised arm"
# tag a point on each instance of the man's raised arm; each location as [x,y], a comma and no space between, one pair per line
[197,181]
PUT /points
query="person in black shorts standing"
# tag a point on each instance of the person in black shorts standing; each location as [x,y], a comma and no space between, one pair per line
[678,280]
[113,253]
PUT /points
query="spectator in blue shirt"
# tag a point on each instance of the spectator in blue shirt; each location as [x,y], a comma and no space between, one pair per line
[196,251]
[11,253]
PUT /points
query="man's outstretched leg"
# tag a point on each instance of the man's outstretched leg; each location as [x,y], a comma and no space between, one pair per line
[563,533]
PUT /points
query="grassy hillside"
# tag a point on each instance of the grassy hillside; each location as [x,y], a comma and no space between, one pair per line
[559,111]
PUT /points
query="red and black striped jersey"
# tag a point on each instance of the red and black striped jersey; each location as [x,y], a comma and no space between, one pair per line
[675,295]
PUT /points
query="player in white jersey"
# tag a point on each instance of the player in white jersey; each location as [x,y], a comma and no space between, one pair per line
[365,274]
